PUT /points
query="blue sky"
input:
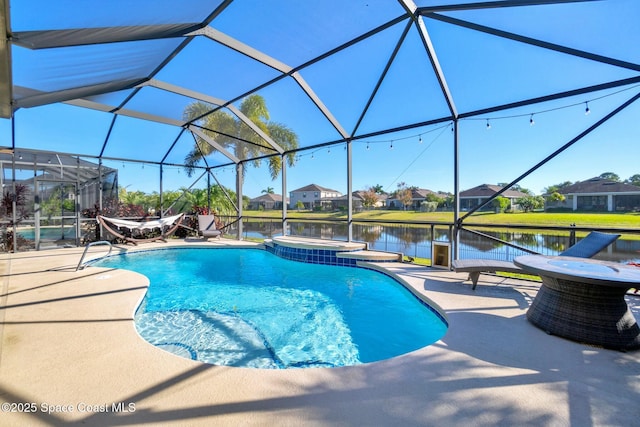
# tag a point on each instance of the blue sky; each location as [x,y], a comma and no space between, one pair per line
[481,71]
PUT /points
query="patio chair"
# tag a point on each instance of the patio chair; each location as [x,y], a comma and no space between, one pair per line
[593,243]
[207,226]
[167,226]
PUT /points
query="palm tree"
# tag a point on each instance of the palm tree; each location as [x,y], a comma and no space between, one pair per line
[269,190]
[378,189]
[231,133]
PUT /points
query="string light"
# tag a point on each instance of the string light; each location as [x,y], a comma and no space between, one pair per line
[587,110]
[488,125]
[390,142]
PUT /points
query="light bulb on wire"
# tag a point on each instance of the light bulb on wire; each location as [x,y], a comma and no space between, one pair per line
[587,110]
[488,125]
[531,122]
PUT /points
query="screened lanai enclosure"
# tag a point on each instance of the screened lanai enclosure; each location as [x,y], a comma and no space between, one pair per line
[101,99]
[46,196]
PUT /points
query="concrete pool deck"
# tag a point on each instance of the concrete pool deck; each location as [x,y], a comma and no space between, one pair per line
[69,347]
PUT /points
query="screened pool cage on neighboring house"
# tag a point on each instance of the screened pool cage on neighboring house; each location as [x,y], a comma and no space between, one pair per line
[140,83]
[47,198]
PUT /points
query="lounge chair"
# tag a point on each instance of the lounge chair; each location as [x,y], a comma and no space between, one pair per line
[593,243]
[207,226]
[167,226]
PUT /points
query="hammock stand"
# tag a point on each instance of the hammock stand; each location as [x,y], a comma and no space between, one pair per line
[170,224]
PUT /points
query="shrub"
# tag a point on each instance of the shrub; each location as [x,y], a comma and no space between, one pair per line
[428,206]
[501,204]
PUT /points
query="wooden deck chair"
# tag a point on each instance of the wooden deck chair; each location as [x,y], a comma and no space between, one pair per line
[207,226]
[588,247]
[167,226]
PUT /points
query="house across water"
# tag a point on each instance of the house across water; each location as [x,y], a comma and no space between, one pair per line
[598,195]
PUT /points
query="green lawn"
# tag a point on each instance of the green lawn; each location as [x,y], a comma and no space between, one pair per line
[595,220]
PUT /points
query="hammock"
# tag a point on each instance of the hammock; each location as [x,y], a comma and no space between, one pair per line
[166,225]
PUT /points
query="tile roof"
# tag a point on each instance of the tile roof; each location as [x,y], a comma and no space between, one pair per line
[267,198]
[488,190]
[599,185]
[313,187]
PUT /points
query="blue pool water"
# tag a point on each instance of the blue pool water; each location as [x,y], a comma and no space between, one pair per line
[247,307]
[49,233]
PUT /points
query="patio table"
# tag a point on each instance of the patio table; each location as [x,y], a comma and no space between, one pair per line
[584,300]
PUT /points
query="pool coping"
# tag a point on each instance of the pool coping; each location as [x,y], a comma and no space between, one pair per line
[68,339]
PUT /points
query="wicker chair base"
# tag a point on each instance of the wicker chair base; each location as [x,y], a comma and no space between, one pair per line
[591,314]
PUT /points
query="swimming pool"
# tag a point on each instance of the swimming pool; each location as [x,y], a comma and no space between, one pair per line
[49,233]
[248,307]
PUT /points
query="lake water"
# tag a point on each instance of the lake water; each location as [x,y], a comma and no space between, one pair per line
[416,241]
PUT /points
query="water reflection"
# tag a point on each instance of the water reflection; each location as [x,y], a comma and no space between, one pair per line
[415,241]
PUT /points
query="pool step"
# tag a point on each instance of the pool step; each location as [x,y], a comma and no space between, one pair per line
[323,244]
[348,250]
[372,256]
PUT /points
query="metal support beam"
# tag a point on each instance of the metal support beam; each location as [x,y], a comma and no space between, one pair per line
[48,39]
[184,192]
[437,69]
[77,203]
[161,190]
[242,48]
[106,138]
[214,144]
[495,4]
[150,117]
[36,204]
[218,102]
[319,104]
[552,97]
[212,175]
[246,120]
[273,63]
[14,205]
[456,192]
[396,49]
[239,183]
[6,79]
[534,42]
[100,186]
[349,192]
[44,98]
[173,144]
[284,195]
